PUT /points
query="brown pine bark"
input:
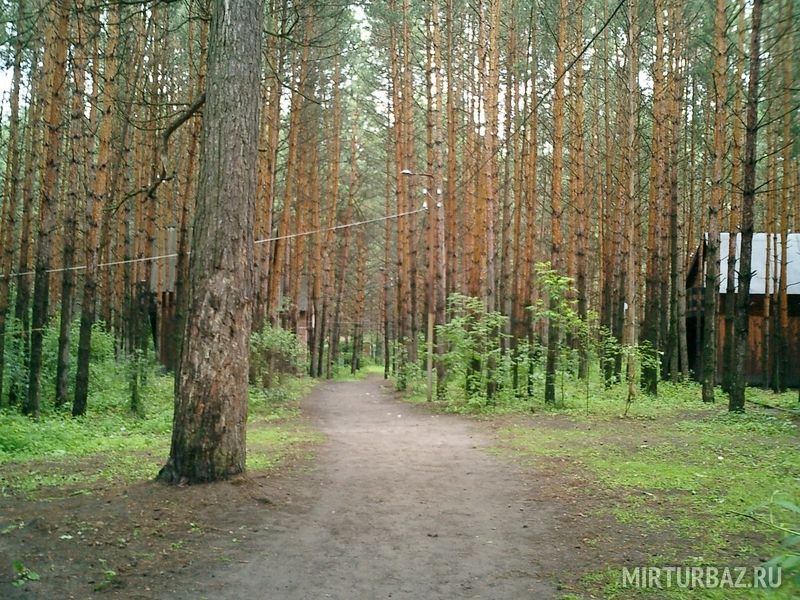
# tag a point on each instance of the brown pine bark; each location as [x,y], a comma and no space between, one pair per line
[628,188]
[676,271]
[438,211]
[279,253]
[710,303]
[741,318]
[527,290]
[344,256]
[332,205]
[208,438]
[268,158]
[76,184]
[736,192]
[653,308]
[95,202]
[787,185]
[407,98]
[358,307]
[32,151]
[11,190]
[55,74]
[578,191]
[450,206]
[556,201]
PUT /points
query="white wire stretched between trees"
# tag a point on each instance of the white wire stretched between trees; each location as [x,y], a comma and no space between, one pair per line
[264,241]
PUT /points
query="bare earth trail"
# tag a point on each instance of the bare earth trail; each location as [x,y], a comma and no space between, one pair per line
[400,503]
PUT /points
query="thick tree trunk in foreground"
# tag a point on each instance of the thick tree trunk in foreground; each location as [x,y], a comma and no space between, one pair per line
[208,437]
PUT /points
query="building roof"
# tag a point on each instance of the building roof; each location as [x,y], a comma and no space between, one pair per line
[758,285]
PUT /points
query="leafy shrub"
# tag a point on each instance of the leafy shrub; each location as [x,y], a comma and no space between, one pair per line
[475,358]
[273,351]
[783,515]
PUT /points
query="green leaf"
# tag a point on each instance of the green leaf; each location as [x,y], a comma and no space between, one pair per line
[788,505]
[791,540]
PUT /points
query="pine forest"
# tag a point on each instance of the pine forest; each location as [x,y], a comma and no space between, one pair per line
[575,220]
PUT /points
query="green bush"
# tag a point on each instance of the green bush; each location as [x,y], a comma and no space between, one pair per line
[273,352]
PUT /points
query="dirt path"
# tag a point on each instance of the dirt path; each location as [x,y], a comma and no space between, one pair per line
[400,504]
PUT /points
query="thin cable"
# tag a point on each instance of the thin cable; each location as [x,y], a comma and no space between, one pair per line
[264,241]
[343,226]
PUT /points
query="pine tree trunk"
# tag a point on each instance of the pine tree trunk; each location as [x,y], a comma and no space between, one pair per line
[95,203]
[29,206]
[77,182]
[208,438]
[710,303]
[8,225]
[729,347]
[557,258]
[741,318]
[55,75]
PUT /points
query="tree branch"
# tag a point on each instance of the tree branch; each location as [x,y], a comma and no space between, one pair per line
[179,120]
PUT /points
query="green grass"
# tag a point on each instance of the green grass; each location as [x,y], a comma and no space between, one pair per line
[110,445]
[686,470]
[270,446]
[342,373]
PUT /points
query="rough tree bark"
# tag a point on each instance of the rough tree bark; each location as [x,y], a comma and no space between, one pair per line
[55,74]
[8,221]
[741,317]
[710,306]
[554,331]
[76,177]
[208,437]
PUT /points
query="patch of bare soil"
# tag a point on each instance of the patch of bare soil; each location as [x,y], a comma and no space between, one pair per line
[129,541]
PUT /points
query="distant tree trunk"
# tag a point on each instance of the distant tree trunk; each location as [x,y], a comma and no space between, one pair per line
[579,191]
[438,211]
[268,161]
[676,282]
[409,163]
[782,343]
[29,206]
[736,402]
[332,198]
[770,275]
[653,307]
[736,192]
[8,219]
[387,243]
[526,293]
[710,303]
[77,183]
[94,204]
[360,296]
[279,253]
[344,258]
[208,437]
[452,156]
[554,331]
[629,190]
[55,74]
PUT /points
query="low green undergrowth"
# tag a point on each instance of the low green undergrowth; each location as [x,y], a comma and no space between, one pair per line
[695,476]
[111,445]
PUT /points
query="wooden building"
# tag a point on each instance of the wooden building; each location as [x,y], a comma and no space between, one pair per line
[763,318]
